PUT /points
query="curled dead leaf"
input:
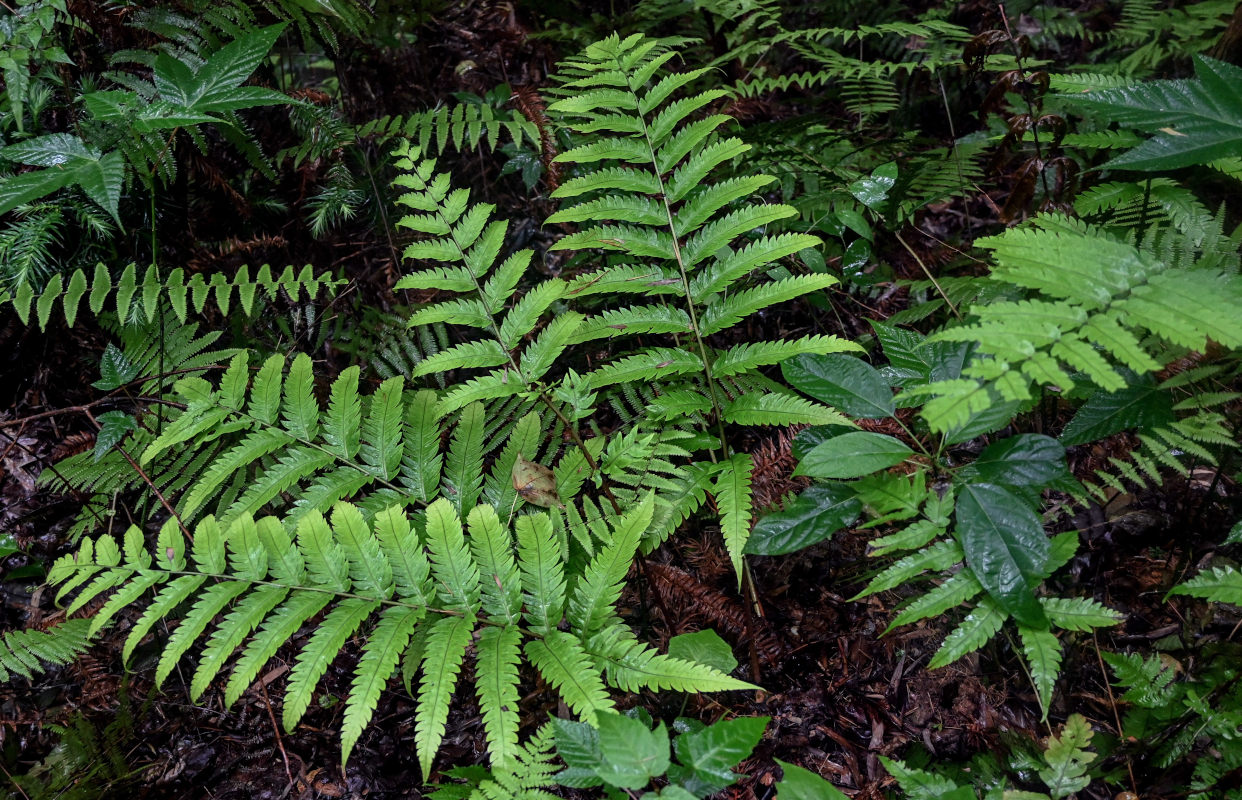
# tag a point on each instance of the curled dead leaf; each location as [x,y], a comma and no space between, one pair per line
[535,483]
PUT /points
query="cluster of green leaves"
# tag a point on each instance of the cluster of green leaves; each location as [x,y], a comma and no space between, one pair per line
[625,754]
[1062,766]
[395,561]
[180,96]
[1174,714]
[973,526]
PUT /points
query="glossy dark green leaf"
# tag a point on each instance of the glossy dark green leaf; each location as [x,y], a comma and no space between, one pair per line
[813,260]
[799,783]
[1028,459]
[1195,121]
[811,518]
[8,545]
[1005,547]
[872,191]
[913,362]
[852,455]
[113,425]
[1235,534]
[855,221]
[856,257]
[846,383]
[577,743]
[703,647]
[115,369]
[708,756]
[1106,413]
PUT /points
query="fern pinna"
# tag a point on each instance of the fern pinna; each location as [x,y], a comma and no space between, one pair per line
[424,589]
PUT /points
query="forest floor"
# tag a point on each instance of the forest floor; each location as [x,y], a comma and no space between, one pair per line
[840,694]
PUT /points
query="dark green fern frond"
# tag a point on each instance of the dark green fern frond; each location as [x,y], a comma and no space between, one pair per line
[464,126]
[134,299]
[27,653]
[645,190]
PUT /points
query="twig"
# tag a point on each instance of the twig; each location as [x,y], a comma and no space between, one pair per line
[930,277]
[280,742]
[150,484]
[1112,701]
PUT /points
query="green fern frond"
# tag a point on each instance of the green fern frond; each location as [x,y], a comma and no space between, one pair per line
[464,126]
[132,298]
[974,632]
[393,584]
[27,653]
[1105,299]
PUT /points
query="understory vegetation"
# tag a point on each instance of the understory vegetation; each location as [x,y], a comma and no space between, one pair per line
[658,399]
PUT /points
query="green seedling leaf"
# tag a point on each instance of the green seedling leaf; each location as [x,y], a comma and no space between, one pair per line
[708,756]
[802,784]
[872,191]
[703,647]
[1006,547]
[113,425]
[632,754]
[811,518]
[1068,758]
[852,455]
[847,383]
[115,369]
[1028,459]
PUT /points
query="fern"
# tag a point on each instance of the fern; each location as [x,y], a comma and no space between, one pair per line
[395,582]
[26,653]
[527,776]
[1100,300]
[463,126]
[933,554]
[134,299]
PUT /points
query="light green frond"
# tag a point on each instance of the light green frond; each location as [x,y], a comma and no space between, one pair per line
[379,659]
[974,632]
[731,310]
[463,470]
[1042,650]
[953,592]
[559,657]
[467,355]
[591,605]
[733,499]
[318,653]
[781,409]
[632,666]
[26,653]
[742,358]
[543,573]
[442,656]
[496,685]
